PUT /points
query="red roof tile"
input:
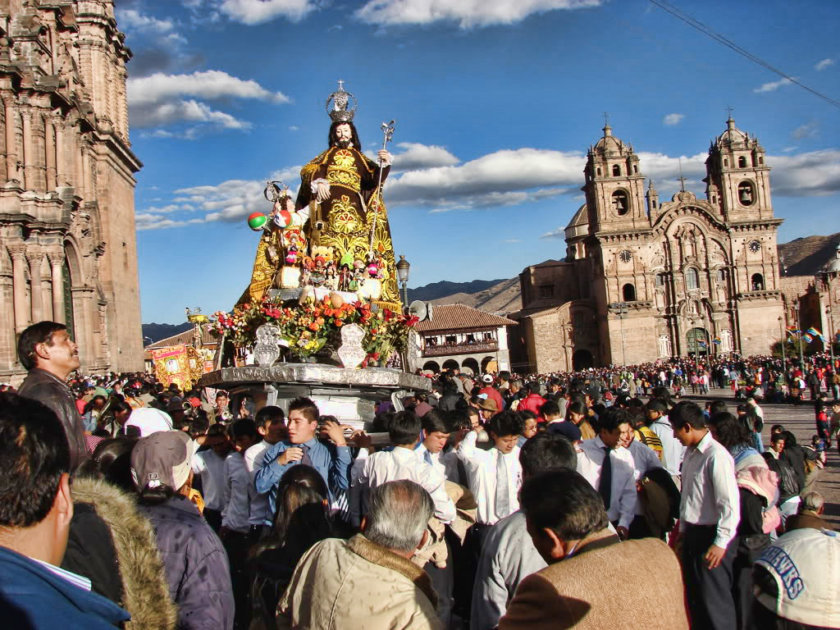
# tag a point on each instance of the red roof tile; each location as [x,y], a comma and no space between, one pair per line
[460,317]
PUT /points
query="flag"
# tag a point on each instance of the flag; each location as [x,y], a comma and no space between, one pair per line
[816,334]
[792,331]
[807,338]
[716,340]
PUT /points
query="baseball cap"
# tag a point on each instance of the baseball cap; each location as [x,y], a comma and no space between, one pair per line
[487,378]
[149,420]
[805,565]
[162,458]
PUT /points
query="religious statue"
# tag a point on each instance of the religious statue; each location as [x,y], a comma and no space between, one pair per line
[342,189]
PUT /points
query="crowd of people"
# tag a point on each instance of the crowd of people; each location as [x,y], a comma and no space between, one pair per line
[595,499]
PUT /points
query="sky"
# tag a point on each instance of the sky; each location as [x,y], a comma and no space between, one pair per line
[496,103]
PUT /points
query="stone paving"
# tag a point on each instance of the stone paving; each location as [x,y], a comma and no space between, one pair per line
[799,420]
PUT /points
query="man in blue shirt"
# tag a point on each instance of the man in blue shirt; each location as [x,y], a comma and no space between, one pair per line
[331,460]
[35,512]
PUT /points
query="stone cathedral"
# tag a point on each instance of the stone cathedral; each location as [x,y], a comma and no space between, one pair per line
[645,279]
[67,236]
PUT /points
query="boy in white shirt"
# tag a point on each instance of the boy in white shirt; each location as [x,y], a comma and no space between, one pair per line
[495,475]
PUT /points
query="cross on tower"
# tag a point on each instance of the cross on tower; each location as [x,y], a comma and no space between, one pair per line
[682,179]
[729,110]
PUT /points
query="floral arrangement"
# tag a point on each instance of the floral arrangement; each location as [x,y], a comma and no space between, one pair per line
[311,327]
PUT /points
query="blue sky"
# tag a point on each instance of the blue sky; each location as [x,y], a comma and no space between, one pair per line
[495,102]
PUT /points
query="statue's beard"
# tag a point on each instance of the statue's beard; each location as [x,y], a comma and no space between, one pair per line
[344,144]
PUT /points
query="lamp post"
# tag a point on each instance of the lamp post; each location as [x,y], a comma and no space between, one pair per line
[782,327]
[799,328]
[403,269]
[620,309]
[830,337]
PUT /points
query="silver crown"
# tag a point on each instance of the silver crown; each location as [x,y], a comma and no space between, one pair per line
[343,105]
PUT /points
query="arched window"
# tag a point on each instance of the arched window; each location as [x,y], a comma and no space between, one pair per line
[616,170]
[692,279]
[757,282]
[746,193]
[628,293]
[620,202]
[742,162]
[598,171]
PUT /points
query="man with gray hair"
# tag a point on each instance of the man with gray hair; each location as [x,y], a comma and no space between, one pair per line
[369,580]
[811,509]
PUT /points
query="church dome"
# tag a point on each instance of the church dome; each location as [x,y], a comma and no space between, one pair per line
[833,266]
[609,144]
[732,136]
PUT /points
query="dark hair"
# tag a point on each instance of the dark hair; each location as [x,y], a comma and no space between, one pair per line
[576,406]
[307,407]
[654,404]
[217,430]
[729,431]
[111,461]
[776,428]
[790,438]
[550,408]
[41,332]
[687,413]
[434,420]
[546,451]
[244,427]
[778,436]
[34,453]
[505,423]
[269,415]
[717,406]
[354,137]
[563,501]
[404,428]
[457,419]
[611,418]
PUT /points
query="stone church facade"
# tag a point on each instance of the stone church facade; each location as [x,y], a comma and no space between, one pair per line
[644,279]
[67,236]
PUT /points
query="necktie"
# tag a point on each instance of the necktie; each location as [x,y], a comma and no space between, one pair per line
[605,483]
[502,498]
[428,457]
[305,460]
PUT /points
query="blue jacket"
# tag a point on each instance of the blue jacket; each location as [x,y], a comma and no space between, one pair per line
[33,597]
[196,564]
[331,461]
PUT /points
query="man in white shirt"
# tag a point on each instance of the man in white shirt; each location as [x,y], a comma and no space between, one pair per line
[494,476]
[209,465]
[435,435]
[610,469]
[656,413]
[709,516]
[235,532]
[272,429]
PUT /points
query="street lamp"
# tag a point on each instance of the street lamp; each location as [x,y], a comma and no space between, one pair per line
[620,309]
[403,268]
[796,308]
[830,337]
[782,327]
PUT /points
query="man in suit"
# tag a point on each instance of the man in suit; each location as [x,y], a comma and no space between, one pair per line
[589,567]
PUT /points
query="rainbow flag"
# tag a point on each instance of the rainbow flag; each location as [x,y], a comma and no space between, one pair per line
[807,338]
[815,333]
[716,341]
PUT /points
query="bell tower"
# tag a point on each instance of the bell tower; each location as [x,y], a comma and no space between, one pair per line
[738,178]
[615,194]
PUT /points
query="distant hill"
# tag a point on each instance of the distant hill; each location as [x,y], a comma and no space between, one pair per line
[435,290]
[156,332]
[805,256]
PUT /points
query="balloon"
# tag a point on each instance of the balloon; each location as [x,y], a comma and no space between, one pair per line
[257,221]
[283,218]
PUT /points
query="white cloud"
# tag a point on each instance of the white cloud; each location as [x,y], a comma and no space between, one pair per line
[502,178]
[259,11]
[672,119]
[162,99]
[807,130]
[415,156]
[208,84]
[825,63]
[772,86]
[131,19]
[466,13]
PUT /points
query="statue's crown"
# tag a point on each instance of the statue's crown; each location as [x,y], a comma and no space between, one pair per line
[341,105]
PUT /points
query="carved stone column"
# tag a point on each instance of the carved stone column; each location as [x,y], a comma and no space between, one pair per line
[49,154]
[57,274]
[11,142]
[36,257]
[18,253]
[60,158]
[28,164]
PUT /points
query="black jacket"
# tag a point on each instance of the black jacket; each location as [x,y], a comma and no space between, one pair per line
[51,391]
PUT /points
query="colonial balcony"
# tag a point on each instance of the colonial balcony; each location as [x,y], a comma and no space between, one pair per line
[460,348]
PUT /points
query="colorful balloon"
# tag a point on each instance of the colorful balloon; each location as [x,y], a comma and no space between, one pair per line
[257,221]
